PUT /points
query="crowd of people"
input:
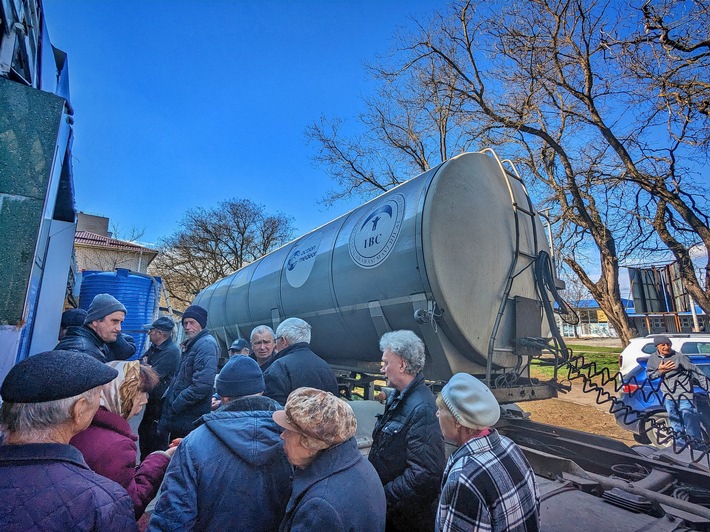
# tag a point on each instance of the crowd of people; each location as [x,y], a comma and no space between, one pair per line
[266,443]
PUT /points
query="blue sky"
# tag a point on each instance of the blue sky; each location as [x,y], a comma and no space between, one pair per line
[181,104]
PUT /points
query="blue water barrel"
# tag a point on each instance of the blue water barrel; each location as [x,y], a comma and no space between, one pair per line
[139,293]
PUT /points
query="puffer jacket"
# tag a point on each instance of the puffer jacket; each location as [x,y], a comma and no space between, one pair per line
[228,474]
[84,340]
[190,393]
[47,486]
[408,454]
[109,448]
[295,367]
[338,492]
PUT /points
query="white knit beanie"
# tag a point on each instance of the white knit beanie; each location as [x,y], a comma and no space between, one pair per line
[470,401]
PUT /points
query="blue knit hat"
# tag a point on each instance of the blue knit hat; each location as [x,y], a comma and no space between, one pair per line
[54,375]
[239,377]
[102,306]
[73,317]
[197,313]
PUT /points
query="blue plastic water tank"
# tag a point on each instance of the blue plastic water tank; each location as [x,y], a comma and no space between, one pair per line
[139,293]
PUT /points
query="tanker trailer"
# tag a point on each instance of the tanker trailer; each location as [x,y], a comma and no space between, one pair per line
[448,254]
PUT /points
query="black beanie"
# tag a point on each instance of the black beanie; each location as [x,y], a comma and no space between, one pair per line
[197,313]
[239,377]
[73,317]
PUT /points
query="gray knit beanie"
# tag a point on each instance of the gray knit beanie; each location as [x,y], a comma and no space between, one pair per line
[102,306]
[470,401]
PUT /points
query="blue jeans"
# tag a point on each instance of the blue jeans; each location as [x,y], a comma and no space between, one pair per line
[683,417]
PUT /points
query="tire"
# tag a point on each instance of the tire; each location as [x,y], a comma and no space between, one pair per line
[658,438]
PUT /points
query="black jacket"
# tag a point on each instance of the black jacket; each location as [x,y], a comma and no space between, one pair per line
[298,366]
[164,359]
[84,340]
[408,455]
[190,394]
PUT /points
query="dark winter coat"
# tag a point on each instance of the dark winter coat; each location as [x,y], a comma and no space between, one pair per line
[298,366]
[165,360]
[47,486]
[190,394]
[85,340]
[228,474]
[339,491]
[109,448]
[408,454]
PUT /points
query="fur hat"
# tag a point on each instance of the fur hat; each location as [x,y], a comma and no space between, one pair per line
[660,339]
[197,313]
[102,306]
[318,415]
[73,317]
[239,377]
[470,401]
[54,375]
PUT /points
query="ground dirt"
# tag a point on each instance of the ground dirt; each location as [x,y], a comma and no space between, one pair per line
[579,410]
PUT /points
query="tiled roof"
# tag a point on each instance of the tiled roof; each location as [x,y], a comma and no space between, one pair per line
[87,238]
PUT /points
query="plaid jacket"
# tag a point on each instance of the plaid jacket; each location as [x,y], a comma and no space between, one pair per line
[488,485]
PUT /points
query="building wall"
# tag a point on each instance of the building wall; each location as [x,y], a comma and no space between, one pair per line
[107,260]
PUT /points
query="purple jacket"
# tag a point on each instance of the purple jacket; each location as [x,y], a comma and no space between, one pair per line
[109,448]
[47,486]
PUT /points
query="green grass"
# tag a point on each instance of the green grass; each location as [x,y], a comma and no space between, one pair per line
[603,357]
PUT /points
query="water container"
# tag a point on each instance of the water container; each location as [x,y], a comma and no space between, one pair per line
[139,293]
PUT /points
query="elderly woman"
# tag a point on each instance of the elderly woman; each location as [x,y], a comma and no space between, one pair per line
[407,447]
[334,487]
[109,445]
[488,483]
[44,482]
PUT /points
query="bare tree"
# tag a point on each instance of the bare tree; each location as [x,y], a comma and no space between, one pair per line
[213,243]
[572,90]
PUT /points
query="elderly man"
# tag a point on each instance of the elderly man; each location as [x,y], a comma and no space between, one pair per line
[295,365]
[102,325]
[677,373]
[263,343]
[488,484]
[407,447]
[230,473]
[190,393]
[44,482]
[164,357]
[334,487]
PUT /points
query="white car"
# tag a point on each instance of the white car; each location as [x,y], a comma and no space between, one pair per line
[642,348]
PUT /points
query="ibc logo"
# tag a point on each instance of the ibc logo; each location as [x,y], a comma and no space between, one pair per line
[376,232]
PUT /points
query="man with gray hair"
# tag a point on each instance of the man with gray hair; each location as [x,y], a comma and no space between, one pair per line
[407,445]
[295,365]
[263,343]
[45,483]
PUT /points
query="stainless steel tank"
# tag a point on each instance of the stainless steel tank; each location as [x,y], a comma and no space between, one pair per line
[448,254]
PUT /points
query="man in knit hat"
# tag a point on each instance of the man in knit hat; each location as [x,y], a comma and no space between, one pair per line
[677,373]
[488,484]
[190,393]
[102,325]
[244,478]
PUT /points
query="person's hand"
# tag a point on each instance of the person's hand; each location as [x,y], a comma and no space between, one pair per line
[174,443]
[216,403]
[170,451]
[665,366]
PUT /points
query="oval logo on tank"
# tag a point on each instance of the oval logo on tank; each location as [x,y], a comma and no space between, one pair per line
[376,232]
[301,259]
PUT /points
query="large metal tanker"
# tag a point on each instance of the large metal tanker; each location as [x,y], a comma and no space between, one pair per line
[447,254]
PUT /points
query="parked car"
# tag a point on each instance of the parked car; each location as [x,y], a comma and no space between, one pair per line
[644,399]
[642,348]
